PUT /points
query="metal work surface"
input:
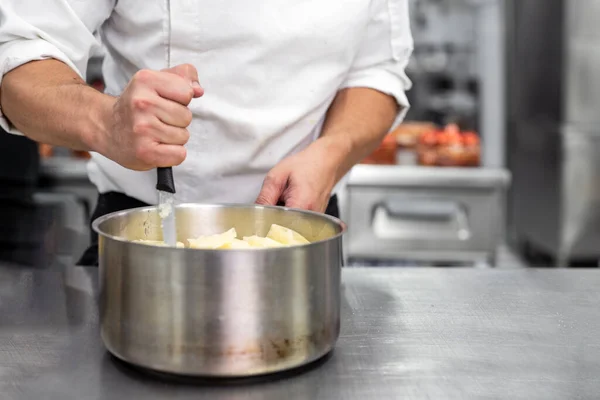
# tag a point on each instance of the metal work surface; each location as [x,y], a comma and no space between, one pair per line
[406,333]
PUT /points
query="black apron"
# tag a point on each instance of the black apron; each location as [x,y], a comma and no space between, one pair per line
[113,201]
[22,223]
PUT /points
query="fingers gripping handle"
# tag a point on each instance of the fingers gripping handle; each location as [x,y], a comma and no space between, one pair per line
[164,180]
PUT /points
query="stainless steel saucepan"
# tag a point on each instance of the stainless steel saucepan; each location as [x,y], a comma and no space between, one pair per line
[221,313]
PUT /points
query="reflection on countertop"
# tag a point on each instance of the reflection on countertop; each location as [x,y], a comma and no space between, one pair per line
[406,333]
[39,228]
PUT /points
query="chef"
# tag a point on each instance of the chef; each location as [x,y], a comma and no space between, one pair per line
[270,101]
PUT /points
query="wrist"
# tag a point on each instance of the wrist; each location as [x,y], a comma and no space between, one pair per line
[336,151]
[98,122]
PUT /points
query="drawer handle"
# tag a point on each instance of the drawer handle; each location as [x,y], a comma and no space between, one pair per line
[422,219]
[428,210]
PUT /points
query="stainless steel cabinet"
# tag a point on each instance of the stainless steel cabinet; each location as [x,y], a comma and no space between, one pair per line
[554,136]
[425,214]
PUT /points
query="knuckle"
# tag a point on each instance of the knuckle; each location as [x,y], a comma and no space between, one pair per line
[143,154]
[261,199]
[292,204]
[180,155]
[185,136]
[188,116]
[142,128]
[143,76]
[189,69]
[273,179]
[270,177]
[189,94]
[184,93]
[141,103]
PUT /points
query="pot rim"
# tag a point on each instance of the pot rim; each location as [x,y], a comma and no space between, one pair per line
[343,227]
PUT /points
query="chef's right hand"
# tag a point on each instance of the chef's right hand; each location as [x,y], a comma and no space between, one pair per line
[147,126]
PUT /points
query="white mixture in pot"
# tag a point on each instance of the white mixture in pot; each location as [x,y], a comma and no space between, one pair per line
[278,236]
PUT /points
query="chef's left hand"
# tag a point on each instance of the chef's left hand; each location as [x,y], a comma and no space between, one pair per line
[304,180]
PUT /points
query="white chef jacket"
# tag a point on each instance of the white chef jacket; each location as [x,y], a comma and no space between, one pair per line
[270,69]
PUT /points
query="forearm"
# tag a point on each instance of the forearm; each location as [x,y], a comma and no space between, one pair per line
[49,103]
[357,121]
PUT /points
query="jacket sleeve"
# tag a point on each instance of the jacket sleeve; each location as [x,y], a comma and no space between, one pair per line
[384,53]
[42,29]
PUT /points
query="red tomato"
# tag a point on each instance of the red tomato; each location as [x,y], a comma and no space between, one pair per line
[427,158]
[443,138]
[389,140]
[452,129]
[470,139]
[455,139]
[429,138]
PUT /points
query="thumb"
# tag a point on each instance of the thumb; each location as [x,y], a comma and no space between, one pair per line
[271,190]
[190,73]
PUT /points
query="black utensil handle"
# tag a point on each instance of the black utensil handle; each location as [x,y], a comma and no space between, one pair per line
[164,180]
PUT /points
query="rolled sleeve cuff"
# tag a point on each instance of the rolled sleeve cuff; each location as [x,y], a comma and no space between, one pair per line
[19,52]
[384,81]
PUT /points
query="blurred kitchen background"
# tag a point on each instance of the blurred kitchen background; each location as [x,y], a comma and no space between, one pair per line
[497,164]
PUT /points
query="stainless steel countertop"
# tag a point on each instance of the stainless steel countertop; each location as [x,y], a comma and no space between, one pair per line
[406,333]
